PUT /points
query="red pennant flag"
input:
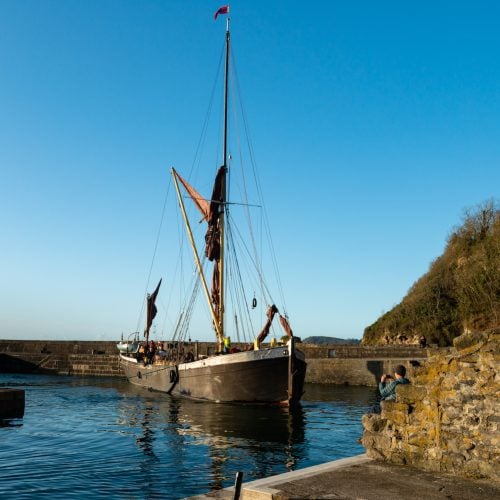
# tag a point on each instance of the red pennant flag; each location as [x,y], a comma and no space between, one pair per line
[222,10]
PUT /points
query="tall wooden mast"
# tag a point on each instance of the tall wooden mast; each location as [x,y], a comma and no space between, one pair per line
[222,206]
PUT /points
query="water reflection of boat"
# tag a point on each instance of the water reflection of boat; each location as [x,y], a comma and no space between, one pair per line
[252,423]
[231,433]
[261,424]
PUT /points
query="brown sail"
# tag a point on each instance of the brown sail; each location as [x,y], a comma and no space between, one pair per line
[151,310]
[201,203]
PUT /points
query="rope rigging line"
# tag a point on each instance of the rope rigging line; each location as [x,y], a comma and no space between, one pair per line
[182,327]
[177,272]
[237,292]
[265,289]
[154,253]
[259,190]
[203,134]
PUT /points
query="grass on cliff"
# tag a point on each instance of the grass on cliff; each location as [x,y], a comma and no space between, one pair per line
[460,290]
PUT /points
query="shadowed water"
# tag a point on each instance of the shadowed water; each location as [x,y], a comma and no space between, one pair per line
[103,438]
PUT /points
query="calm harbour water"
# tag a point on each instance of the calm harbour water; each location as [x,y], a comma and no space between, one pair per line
[103,438]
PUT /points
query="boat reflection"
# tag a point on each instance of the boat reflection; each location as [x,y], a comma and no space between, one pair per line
[254,423]
[235,436]
[236,433]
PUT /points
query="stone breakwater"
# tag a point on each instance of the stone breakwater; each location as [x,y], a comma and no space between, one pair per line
[82,358]
[447,419]
[326,364]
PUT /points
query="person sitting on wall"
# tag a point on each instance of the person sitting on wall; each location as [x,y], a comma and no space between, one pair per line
[423,342]
[387,386]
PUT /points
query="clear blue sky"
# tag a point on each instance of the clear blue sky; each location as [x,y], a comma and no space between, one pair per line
[375,123]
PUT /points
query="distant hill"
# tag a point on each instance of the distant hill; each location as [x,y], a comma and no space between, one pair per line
[329,340]
[461,290]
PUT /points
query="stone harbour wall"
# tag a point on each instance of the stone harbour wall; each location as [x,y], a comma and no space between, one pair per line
[326,364]
[447,419]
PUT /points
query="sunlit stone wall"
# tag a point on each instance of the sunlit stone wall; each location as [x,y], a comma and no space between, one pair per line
[447,418]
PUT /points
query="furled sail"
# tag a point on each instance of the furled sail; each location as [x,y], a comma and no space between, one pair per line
[212,237]
[286,326]
[271,311]
[151,310]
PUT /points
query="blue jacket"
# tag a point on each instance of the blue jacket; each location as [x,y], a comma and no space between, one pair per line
[388,391]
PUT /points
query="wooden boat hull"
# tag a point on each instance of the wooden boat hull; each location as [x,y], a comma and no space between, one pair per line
[262,376]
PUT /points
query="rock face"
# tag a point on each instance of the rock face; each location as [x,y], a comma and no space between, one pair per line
[447,419]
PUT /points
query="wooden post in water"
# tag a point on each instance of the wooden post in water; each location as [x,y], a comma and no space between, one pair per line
[237,485]
[11,403]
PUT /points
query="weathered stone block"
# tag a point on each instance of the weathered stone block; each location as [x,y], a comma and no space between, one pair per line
[432,465]
[374,453]
[466,374]
[470,358]
[423,412]
[422,440]
[374,423]
[454,446]
[450,414]
[450,398]
[398,458]
[490,440]
[410,393]
[470,341]
[490,470]
[376,441]
[394,406]
[451,461]
[395,412]
[434,453]
[489,390]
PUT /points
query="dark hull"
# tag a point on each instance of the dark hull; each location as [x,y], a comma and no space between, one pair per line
[264,376]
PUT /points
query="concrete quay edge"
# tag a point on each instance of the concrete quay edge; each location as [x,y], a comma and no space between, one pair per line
[267,488]
[263,488]
[360,477]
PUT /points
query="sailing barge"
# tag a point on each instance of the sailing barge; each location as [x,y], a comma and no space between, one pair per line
[271,374]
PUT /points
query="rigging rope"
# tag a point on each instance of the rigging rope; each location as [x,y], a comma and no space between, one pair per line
[259,193]
[154,253]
